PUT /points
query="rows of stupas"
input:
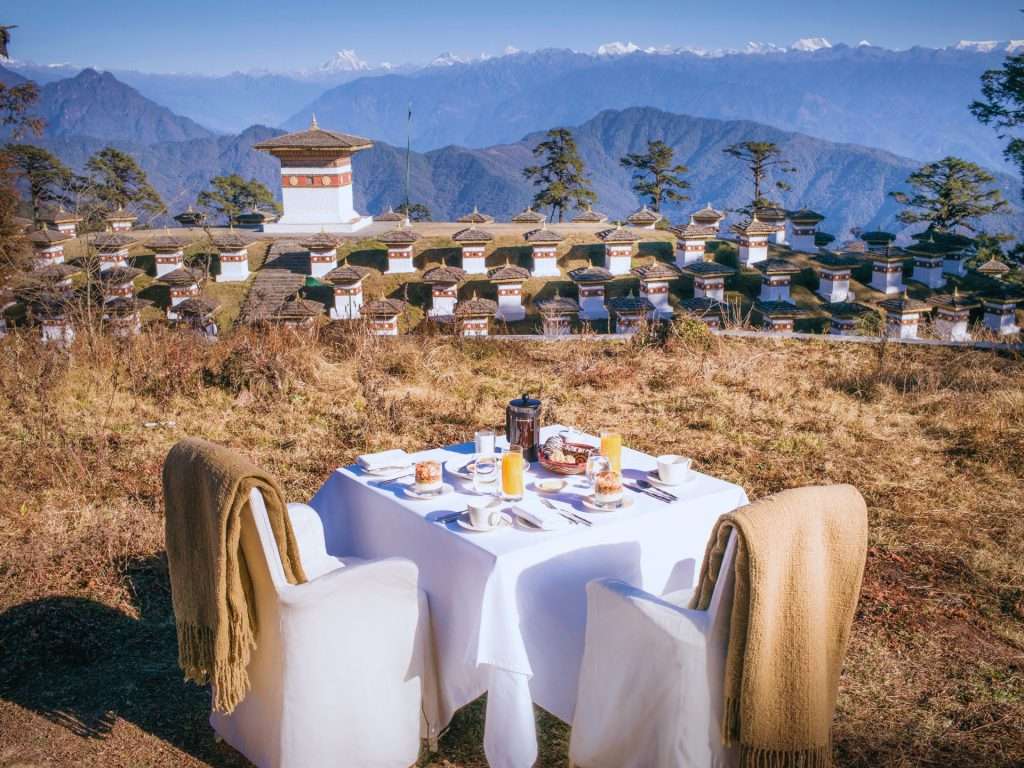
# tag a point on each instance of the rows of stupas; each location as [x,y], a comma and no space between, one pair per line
[526,270]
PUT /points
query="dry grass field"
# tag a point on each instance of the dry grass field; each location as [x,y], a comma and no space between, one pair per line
[934,438]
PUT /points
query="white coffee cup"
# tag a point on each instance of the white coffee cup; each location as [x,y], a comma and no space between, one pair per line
[673,469]
[484,513]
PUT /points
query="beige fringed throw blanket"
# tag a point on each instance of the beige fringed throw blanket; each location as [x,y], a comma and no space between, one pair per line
[799,563]
[206,489]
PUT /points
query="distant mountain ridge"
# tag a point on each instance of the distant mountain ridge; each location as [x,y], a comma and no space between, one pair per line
[848,183]
[913,103]
[99,105]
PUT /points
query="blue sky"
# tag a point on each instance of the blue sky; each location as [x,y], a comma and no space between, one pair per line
[214,36]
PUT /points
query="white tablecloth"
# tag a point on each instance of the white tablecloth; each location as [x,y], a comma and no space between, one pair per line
[508,607]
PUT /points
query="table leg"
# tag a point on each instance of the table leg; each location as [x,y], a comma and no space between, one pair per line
[510,730]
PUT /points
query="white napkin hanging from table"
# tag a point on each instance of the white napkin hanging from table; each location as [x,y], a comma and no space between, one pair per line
[384,460]
[533,511]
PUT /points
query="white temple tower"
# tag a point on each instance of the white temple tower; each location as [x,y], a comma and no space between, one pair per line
[316,180]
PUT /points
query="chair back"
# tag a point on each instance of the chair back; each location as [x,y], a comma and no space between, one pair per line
[720,606]
[717,648]
[259,546]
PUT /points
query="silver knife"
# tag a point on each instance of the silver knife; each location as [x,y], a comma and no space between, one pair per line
[652,493]
[646,484]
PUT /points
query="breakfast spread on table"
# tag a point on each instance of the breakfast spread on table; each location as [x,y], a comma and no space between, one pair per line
[496,477]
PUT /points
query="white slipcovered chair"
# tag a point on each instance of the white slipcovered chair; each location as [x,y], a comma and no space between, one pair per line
[342,673]
[650,690]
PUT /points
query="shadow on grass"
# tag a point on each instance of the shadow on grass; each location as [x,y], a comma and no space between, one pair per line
[375,258]
[84,665]
[158,293]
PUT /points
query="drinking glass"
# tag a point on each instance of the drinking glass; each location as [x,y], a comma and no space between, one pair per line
[485,474]
[611,447]
[596,464]
[483,442]
[512,473]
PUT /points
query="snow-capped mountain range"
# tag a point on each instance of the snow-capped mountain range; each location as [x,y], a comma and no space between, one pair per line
[347,62]
[988,46]
[803,45]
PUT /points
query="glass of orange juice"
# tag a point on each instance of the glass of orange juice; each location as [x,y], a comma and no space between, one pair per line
[611,448]
[512,472]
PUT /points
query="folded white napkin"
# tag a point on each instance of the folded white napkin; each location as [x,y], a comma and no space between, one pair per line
[384,460]
[543,517]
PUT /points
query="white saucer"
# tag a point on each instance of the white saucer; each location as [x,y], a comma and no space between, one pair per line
[463,522]
[538,485]
[465,471]
[652,477]
[589,503]
[412,493]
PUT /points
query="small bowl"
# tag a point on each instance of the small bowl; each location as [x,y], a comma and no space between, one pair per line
[549,484]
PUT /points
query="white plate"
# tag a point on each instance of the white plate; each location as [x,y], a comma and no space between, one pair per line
[588,502]
[412,493]
[463,522]
[652,476]
[465,471]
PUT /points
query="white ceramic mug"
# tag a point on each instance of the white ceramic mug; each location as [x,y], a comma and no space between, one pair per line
[484,513]
[673,469]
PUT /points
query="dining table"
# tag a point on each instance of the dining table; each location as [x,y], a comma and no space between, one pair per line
[508,606]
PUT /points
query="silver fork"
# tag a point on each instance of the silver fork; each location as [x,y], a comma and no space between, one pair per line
[571,517]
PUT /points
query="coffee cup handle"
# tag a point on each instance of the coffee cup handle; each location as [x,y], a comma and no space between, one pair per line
[494,518]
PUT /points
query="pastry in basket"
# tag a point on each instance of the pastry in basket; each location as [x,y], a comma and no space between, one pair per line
[561,456]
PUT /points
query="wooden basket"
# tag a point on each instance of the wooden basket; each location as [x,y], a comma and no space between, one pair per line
[567,468]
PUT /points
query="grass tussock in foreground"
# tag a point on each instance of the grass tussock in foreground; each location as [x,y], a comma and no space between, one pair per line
[932,437]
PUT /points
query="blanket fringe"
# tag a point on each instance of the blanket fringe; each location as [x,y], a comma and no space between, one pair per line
[813,757]
[228,676]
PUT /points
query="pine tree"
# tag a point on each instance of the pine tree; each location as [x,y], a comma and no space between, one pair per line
[47,178]
[948,194]
[230,195]
[762,158]
[414,211]
[15,102]
[1003,105]
[656,176]
[114,180]
[562,177]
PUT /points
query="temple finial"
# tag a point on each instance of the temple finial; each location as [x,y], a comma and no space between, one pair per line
[313,125]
